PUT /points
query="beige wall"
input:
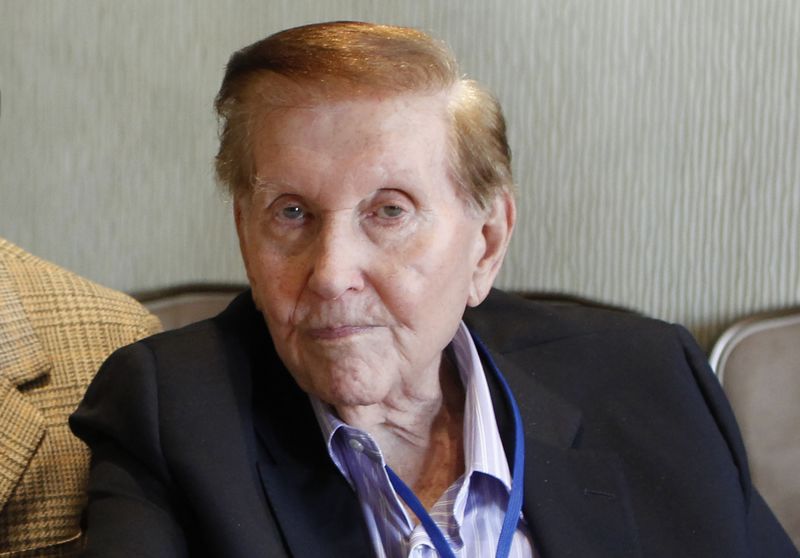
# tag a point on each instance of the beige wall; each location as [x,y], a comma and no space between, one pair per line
[656,142]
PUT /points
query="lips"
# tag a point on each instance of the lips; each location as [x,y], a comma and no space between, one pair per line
[337,332]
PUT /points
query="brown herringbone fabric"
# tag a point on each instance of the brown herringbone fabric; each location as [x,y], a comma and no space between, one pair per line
[55,330]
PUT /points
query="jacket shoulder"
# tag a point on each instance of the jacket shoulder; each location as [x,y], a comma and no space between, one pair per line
[509,322]
[51,294]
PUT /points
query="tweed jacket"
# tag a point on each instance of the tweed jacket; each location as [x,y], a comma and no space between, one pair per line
[55,330]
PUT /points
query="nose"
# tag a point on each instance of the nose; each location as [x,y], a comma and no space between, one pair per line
[336,258]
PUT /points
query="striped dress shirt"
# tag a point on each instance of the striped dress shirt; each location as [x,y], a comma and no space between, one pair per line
[470,512]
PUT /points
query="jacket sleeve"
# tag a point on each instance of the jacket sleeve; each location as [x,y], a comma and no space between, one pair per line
[130,510]
[766,536]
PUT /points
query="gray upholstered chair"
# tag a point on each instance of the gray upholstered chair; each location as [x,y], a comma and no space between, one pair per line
[757,361]
[179,306]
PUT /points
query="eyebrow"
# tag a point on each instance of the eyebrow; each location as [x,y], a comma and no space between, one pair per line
[261,184]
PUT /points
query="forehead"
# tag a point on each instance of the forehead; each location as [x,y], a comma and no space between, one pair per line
[372,116]
[401,131]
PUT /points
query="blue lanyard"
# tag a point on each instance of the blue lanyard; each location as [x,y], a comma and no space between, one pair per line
[515,497]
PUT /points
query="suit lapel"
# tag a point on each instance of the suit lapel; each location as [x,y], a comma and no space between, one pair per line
[22,360]
[576,501]
[22,431]
[318,512]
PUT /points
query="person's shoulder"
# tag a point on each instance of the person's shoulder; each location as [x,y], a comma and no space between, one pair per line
[186,363]
[50,293]
[238,328]
[512,321]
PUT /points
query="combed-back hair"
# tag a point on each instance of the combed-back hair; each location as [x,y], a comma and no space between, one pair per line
[333,61]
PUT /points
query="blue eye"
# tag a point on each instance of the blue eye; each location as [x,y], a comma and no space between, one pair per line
[292,212]
[391,211]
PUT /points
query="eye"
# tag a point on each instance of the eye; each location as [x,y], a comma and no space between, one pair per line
[391,211]
[292,212]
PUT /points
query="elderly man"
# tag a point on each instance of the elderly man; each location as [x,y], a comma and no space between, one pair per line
[343,408]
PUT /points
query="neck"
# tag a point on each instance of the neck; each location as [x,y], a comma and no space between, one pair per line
[420,432]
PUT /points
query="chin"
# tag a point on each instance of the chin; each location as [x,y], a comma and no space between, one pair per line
[351,390]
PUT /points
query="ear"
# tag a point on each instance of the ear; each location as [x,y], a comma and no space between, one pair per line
[498,225]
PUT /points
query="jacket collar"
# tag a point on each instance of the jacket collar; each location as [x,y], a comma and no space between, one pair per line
[307,493]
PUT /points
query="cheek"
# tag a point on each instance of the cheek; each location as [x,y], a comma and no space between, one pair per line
[443,254]
[276,284]
[427,279]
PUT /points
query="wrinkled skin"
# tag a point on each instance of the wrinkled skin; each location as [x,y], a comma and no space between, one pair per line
[361,254]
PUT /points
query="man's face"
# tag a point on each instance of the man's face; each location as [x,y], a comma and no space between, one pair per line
[360,253]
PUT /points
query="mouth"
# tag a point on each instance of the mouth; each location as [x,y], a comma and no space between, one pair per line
[337,332]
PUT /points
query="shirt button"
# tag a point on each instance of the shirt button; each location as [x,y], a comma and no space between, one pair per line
[356,445]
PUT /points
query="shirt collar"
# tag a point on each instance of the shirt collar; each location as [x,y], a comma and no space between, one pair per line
[483,447]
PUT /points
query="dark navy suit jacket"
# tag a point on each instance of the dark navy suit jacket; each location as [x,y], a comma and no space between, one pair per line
[203,445]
